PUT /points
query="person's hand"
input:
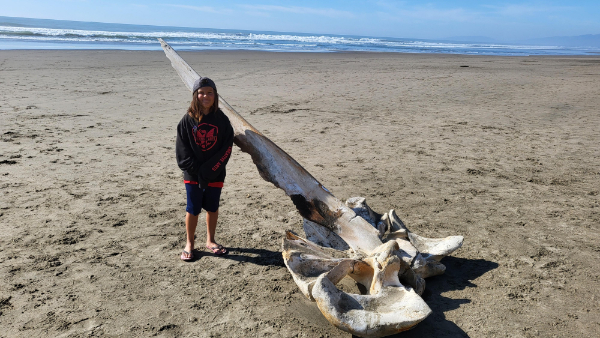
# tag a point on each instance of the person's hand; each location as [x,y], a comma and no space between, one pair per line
[202,183]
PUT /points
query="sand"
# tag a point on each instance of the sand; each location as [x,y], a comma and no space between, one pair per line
[502,150]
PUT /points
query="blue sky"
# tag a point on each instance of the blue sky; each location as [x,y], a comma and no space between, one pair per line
[502,20]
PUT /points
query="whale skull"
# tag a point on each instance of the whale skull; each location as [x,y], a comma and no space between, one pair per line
[387,261]
[390,277]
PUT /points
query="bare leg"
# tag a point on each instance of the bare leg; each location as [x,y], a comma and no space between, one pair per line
[211,227]
[191,222]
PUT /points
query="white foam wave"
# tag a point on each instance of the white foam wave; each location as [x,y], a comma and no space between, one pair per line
[262,41]
[77,33]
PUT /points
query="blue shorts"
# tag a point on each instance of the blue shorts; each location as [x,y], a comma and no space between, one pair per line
[198,198]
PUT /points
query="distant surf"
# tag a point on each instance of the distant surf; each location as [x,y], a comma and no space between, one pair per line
[24,33]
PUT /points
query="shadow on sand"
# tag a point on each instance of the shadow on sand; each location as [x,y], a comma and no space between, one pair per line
[254,256]
[458,276]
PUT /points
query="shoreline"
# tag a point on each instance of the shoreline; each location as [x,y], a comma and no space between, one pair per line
[301,55]
[591,54]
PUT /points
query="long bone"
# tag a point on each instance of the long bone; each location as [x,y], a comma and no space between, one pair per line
[386,305]
[313,201]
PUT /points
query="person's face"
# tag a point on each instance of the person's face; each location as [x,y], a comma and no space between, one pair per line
[206,96]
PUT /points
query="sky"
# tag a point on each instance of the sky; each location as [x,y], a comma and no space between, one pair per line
[436,19]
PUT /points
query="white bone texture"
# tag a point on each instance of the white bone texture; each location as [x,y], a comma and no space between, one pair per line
[390,277]
[322,236]
[387,261]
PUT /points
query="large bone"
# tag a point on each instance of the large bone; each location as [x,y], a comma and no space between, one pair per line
[312,200]
[389,308]
[425,253]
[386,306]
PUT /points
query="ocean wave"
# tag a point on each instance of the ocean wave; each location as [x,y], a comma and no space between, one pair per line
[144,37]
[134,36]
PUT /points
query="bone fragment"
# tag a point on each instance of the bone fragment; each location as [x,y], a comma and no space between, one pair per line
[387,308]
[382,225]
[427,268]
[435,248]
[425,253]
[392,310]
[360,207]
[395,225]
[322,236]
[395,221]
[306,261]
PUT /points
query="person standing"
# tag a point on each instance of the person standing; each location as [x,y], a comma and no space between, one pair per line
[203,148]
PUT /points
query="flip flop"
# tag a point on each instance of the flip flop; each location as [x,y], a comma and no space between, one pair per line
[218,250]
[187,259]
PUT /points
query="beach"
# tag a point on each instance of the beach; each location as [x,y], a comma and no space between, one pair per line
[501,150]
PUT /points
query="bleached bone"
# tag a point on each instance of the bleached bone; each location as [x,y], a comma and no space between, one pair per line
[380,268]
[382,225]
[360,207]
[322,236]
[388,309]
[421,253]
[395,225]
[435,248]
[424,253]
[306,262]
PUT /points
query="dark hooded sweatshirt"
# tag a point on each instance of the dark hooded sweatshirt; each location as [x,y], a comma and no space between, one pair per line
[203,149]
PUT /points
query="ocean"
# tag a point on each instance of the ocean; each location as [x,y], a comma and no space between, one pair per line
[25,33]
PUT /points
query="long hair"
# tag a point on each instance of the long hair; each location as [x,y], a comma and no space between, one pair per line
[196,110]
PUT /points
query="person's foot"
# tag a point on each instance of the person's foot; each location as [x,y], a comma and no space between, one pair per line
[216,249]
[188,253]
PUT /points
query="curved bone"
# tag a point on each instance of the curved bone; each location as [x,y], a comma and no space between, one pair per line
[306,261]
[435,248]
[386,266]
[396,227]
[360,207]
[423,253]
[382,225]
[322,236]
[389,308]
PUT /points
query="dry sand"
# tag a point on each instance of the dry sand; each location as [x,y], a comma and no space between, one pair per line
[502,150]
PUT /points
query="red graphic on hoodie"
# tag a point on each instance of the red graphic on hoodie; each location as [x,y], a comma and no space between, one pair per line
[205,135]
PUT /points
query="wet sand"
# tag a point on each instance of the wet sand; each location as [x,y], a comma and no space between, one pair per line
[502,150]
